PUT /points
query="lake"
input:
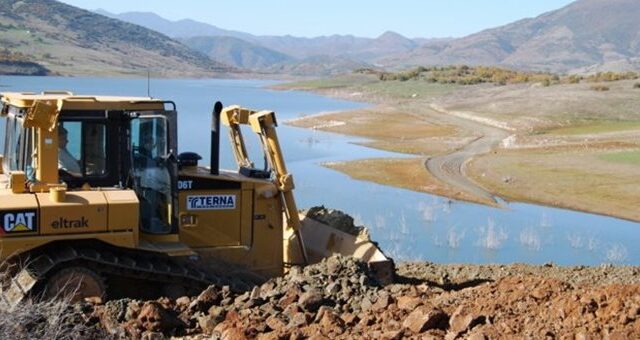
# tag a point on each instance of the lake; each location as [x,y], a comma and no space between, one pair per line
[408,225]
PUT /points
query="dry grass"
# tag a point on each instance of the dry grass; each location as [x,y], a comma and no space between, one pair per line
[570,178]
[409,173]
[54,319]
[529,109]
[36,317]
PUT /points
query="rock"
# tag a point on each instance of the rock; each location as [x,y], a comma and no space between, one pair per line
[366,321]
[240,299]
[112,314]
[332,288]
[152,336]
[298,320]
[295,274]
[226,301]
[289,297]
[269,290]
[183,302]
[275,323]
[409,303]
[349,319]
[207,323]
[94,300]
[363,280]
[255,293]
[291,310]
[423,319]
[153,317]
[365,304]
[461,320]
[270,309]
[477,336]
[333,265]
[336,219]
[581,336]
[382,302]
[392,335]
[232,334]
[311,300]
[133,310]
[205,300]
[318,337]
[330,321]
[217,312]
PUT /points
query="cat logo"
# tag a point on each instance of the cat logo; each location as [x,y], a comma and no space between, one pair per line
[19,221]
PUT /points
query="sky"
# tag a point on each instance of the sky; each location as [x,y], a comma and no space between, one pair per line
[364,18]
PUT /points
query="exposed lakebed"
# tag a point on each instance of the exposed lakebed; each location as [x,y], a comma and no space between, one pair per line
[408,225]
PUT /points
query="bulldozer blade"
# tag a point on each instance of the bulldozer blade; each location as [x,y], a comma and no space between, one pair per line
[322,240]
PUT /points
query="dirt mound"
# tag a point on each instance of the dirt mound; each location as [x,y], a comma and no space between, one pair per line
[338,298]
[337,219]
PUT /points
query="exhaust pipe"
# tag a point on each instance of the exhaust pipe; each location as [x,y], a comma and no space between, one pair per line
[215,138]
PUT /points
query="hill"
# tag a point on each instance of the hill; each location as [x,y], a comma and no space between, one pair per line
[237,52]
[185,28]
[19,64]
[72,41]
[591,34]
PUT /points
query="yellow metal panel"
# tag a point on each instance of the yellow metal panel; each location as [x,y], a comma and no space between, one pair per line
[18,215]
[17,182]
[210,225]
[43,114]
[123,209]
[82,212]
[17,245]
[246,224]
[167,238]
[47,156]
[72,102]
[265,254]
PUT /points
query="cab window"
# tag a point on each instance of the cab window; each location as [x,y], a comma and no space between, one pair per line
[82,149]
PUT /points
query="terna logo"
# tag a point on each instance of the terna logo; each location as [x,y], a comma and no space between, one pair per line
[19,221]
[211,202]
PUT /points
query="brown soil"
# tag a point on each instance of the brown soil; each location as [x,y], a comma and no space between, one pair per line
[338,298]
[406,173]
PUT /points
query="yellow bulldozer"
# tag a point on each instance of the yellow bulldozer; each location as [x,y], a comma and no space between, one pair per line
[95,197]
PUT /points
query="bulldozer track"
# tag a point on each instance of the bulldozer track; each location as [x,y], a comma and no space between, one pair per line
[146,266]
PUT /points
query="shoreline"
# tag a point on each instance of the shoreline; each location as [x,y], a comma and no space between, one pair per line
[450,193]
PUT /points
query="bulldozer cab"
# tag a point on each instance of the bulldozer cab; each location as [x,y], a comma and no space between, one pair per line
[98,143]
[128,149]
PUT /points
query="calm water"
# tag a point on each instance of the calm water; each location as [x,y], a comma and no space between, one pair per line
[408,225]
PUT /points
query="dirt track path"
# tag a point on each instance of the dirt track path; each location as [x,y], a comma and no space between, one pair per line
[450,168]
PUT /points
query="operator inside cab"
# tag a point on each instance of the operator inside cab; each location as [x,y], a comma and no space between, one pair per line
[66,161]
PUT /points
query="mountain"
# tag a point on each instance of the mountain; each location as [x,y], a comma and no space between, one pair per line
[346,46]
[185,28]
[237,52]
[587,34]
[71,41]
[297,47]
[295,52]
